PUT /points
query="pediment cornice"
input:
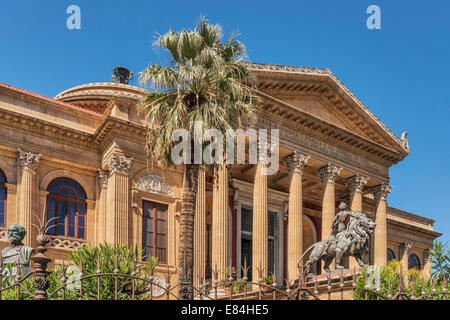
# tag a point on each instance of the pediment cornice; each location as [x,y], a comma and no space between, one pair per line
[287,80]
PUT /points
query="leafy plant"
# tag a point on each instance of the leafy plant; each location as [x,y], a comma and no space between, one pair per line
[386,281]
[440,260]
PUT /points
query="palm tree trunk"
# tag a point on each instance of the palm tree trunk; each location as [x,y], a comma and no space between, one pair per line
[186,239]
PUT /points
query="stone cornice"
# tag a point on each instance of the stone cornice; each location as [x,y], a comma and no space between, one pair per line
[51,131]
[270,68]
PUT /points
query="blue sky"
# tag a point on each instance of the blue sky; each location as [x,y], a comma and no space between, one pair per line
[400,72]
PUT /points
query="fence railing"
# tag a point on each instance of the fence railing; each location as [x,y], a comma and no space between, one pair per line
[70,282]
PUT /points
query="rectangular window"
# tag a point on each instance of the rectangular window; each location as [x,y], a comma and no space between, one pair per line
[154,230]
[247,234]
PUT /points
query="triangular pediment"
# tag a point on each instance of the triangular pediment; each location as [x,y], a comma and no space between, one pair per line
[319,110]
[319,93]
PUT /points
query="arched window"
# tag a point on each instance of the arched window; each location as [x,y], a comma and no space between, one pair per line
[3,194]
[66,204]
[413,262]
[390,255]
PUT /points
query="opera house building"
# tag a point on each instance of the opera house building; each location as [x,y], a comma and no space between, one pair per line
[80,158]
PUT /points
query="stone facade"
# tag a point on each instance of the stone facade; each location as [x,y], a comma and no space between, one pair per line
[332,149]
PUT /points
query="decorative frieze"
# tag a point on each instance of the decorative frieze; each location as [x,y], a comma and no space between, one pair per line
[297,161]
[155,184]
[329,173]
[357,182]
[381,191]
[119,163]
[28,160]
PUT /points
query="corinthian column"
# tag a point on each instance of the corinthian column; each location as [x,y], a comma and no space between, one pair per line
[117,200]
[380,235]
[102,179]
[296,162]
[200,230]
[220,244]
[260,237]
[356,185]
[328,174]
[27,163]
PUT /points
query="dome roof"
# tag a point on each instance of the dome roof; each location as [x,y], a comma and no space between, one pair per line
[95,96]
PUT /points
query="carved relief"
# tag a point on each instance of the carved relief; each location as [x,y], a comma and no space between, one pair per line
[65,243]
[119,163]
[357,182]
[329,173]
[297,161]
[102,178]
[155,184]
[28,160]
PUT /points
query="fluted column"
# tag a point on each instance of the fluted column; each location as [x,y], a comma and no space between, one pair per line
[404,254]
[200,230]
[117,202]
[27,163]
[356,185]
[220,241]
[296,162]
[260,240]
[328,174]
[380,235]
[102,179]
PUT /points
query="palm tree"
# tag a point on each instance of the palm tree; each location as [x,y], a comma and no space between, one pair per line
[440,260]
[207,80]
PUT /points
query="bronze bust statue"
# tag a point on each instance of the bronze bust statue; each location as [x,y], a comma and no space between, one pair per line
[17,252]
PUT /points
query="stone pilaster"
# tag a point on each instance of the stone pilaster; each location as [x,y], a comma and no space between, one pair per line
[260,245]
[295,162]
[426,263]
[200,230]
[102,179]
[328,174]
[117,202]
[356,185]
[220,241]
[27,163]
[380,235]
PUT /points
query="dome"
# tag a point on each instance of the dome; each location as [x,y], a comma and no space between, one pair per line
[95,96]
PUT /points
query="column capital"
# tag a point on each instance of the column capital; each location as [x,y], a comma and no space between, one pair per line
[297,161]
[329,173]
[381,191]
[28,160]
[119,163]
[102,178]
[357,182]
[405,247]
